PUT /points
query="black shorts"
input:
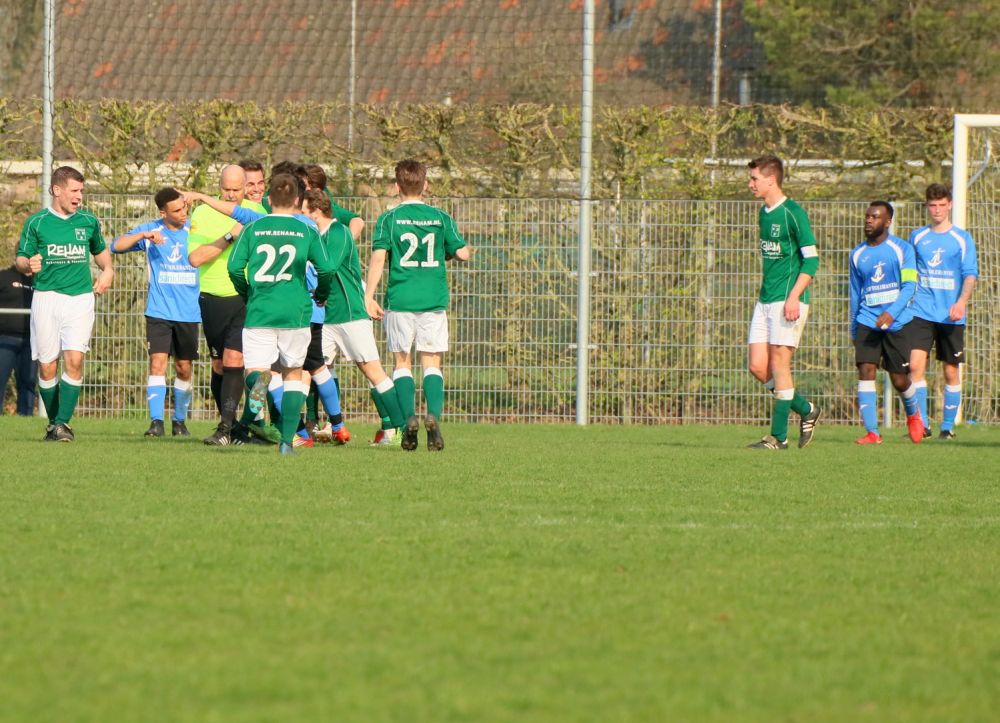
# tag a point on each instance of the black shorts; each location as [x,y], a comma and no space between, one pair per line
[948,338]
[888,349]
[179,339]
[222,318]
[314,357]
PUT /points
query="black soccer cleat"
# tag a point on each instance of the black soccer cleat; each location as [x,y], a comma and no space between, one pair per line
[946,434]
[155,429]
[49,437]
[220,437]
[410,434]
[178,428]
[769,442]
[63,433]
[807,425]
[435,442]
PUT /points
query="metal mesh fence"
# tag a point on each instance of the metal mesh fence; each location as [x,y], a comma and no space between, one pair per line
[673,286]
[387,51]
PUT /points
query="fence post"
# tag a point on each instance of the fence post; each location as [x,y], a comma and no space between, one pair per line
[48,91]
[583,280]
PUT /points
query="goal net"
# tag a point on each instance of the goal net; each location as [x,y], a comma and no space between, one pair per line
[976,193]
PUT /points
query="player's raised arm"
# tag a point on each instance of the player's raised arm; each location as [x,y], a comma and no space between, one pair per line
[209,252]
[131,241]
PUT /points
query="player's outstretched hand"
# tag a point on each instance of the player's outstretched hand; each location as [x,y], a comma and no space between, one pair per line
[156,237]
[884,321]
[792,309]
[191,196]
[374,309]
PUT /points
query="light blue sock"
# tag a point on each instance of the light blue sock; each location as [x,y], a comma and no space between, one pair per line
[868,405]
[922,400]
[277,394]
[909,396]
[952,401]
[326,386]
[182,399]
[156,393]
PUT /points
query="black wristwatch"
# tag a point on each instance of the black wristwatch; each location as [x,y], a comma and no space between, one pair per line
[228,237]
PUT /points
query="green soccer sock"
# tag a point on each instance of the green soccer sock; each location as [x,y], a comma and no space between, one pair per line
[386,390]
[406,392]
[779,418]
[69,393]
[383,411]
[800,405]
[50,397]
[433,385]
[291,407]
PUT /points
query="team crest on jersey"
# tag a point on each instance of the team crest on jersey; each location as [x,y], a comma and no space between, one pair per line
[81,234]
[775,230]
[175,254]
[879,273]
[936,258]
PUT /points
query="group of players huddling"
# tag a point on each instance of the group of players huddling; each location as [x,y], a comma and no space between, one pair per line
[275,280]
[905,297]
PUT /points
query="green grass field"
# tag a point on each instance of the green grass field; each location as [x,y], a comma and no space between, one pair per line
[528,573]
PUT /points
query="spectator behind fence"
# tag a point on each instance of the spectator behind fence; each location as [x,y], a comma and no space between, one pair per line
[15,340]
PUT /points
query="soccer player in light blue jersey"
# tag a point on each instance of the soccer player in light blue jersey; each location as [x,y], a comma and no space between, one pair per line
[172,309]
[947,271]
[883,276]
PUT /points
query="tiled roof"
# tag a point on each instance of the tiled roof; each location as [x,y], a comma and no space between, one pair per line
[407,50]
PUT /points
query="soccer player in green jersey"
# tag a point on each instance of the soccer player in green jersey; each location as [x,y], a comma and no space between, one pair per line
[415,240]
[790,261]
[254,172]
[56,245]
[268,268]
[314,177]
[347,328]
[222,310]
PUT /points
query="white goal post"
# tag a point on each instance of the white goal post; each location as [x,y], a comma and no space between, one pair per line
[974,176]
[960,167]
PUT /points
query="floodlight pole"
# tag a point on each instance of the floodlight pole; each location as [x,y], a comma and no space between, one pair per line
[717,60]
[48,90]
[583,266]
[350,80]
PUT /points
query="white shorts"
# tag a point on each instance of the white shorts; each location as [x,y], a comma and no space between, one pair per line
[354,340]
[60,323]
[769,326]
[262,347]
[429,329]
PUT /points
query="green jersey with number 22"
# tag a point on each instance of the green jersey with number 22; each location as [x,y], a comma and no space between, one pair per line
[268,268]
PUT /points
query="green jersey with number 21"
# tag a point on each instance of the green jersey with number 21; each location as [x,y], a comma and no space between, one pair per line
[418,240]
